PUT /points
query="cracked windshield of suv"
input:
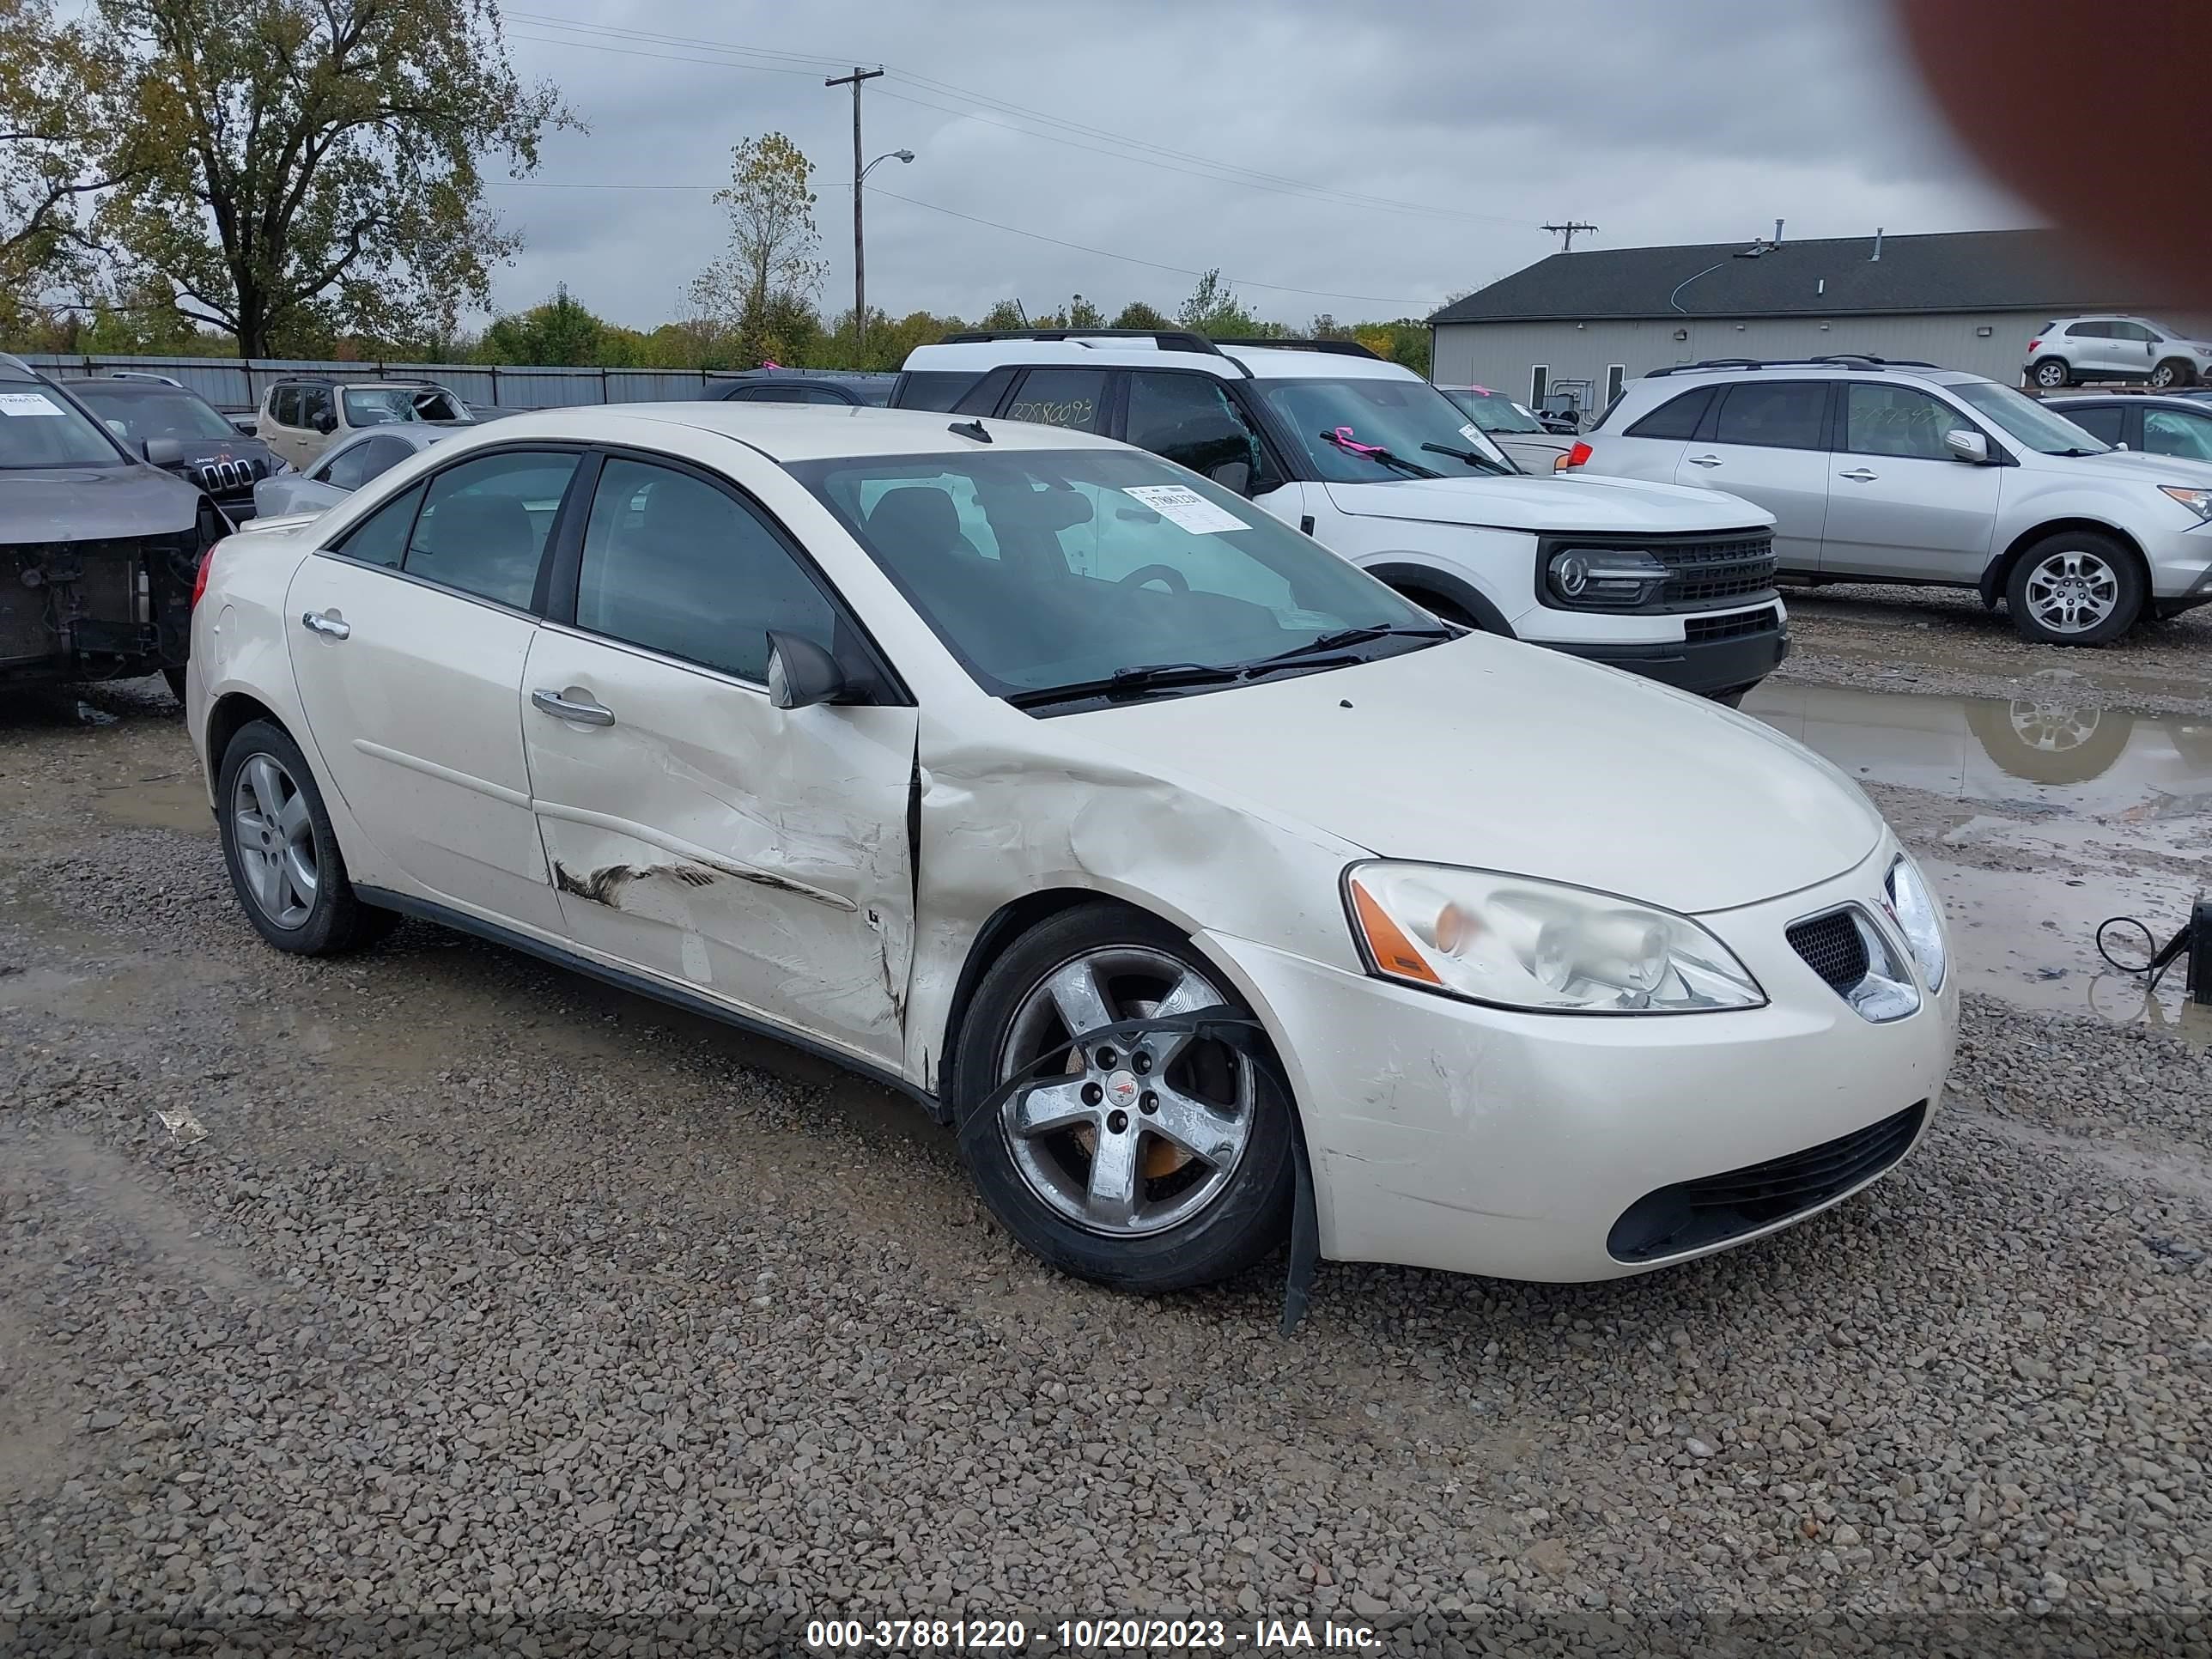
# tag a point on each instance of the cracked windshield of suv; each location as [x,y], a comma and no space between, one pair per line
[1045,571]
[1359,430]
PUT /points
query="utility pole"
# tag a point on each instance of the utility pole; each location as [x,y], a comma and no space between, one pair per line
[1565,233]
[859,252]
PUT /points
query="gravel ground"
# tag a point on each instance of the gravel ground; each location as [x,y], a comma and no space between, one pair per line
[435,1296]
[1937,638]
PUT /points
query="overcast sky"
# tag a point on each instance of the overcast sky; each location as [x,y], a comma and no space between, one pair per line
[1366,159]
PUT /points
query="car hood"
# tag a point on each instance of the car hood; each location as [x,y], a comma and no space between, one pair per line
[1488,753]
[93,503]
[2134,464]
[1541,503]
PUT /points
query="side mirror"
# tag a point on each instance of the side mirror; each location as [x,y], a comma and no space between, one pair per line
[162,452]
[1968,446]
[801,673]
[248,424]
[326,421]
[2119,445]
[1234,475]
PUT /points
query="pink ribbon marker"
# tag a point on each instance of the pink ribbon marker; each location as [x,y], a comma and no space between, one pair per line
[1344,440]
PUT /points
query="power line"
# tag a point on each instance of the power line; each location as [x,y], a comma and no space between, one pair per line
[1127,259]
[1168,160]
[1567,232]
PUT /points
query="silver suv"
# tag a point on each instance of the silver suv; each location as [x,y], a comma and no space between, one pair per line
[1888,471]
[2070,350]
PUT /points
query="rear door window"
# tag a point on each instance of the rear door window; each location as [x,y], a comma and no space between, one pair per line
[1073,397]
[1678,418]
[484,524]
[1774,415]
[2176,432]
[350,468]
[2104,420]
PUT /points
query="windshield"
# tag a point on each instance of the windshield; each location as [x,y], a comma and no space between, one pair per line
[1387,413]
[1493,411]
[2026,420]
[143,415]
[1047,569]
[388,405]
[40,428]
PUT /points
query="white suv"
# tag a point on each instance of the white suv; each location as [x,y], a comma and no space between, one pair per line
[1379,466]
[1885,471]
[2072,349]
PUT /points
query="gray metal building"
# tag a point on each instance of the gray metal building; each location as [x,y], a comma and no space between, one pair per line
[1968,300]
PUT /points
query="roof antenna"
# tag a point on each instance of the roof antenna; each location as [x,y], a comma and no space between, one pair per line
[1877,244]
[969,429]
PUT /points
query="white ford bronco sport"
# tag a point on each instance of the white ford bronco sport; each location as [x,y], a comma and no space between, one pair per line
[1377,465]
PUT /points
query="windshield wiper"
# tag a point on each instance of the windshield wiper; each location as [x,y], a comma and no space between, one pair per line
[1375,453]
[1344,636]
[1472,457]
[1132,683]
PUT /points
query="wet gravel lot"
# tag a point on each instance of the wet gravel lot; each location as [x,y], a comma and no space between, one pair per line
[435,1290]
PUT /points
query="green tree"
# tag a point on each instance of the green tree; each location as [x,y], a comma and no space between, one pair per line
[1213,309]
[1138,314]
[315,163]
[773,268]
[58,104]
[561,331]
[1007,313]
[1081,313]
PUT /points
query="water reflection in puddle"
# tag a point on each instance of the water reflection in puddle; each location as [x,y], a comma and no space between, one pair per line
[2084,813]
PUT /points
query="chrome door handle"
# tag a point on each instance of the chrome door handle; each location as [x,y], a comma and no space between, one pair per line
[1859,475]
[1704,460]
[330,627]
[583,714]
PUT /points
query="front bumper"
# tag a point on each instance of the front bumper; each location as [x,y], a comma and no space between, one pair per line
[2181,563]
[1473,1139]
[1707,667]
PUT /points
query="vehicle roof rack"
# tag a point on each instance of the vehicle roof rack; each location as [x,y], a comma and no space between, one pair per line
[1335,348]
[1837,360]
[1167,339]
[146,374]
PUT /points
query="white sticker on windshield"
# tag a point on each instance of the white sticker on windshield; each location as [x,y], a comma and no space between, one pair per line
[1473,434]
[1186,508]
[27,403]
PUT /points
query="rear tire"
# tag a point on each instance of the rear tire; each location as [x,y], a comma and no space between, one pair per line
[2076,588]
[1088,1176]
[281,852]
[2171,373]
[2052,374]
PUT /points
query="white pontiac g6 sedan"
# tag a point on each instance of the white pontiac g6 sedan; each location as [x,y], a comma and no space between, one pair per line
[1133,834]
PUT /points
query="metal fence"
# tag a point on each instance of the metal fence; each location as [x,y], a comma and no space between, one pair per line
[235,385]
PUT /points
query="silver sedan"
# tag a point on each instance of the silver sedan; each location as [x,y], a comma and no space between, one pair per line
[347,467]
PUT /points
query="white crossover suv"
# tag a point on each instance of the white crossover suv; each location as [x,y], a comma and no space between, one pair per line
[1888,471]
[1379,466]
[1141,839]
[2068,350]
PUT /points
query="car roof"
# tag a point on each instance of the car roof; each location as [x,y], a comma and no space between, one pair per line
[1225,362]
[789,432]
[1659,382]
[127,388]
[2126,400]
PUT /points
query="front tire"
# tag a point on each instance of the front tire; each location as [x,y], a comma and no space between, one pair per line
[2075,587]
[2052,373]
[1159,1168]
[281,852]
[2172,373]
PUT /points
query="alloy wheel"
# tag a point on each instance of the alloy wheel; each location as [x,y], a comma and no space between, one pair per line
[275,835]
[1127,1141]
[2051,374]
[2072,592]
[2053,728]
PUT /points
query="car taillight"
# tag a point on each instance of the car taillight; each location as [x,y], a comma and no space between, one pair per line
[1581,452]
[2035,345]
[200,577]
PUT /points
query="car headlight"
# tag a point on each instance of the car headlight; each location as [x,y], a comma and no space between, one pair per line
[1538,945]
[1604,575]
[1918,917]
[2198,501]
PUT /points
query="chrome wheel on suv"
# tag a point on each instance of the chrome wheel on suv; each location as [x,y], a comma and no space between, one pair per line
[2074,588]
[2051,372]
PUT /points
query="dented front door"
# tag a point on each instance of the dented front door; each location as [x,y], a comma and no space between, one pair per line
[697,831]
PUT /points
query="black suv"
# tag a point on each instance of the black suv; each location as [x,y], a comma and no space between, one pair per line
[850,387]
[99,551]
[180,432]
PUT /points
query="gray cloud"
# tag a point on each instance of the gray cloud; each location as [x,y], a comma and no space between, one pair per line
[1691,120]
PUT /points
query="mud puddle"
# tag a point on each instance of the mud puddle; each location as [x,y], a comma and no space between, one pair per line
[2044,814]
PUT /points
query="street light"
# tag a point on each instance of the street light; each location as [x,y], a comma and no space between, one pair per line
[859,252]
